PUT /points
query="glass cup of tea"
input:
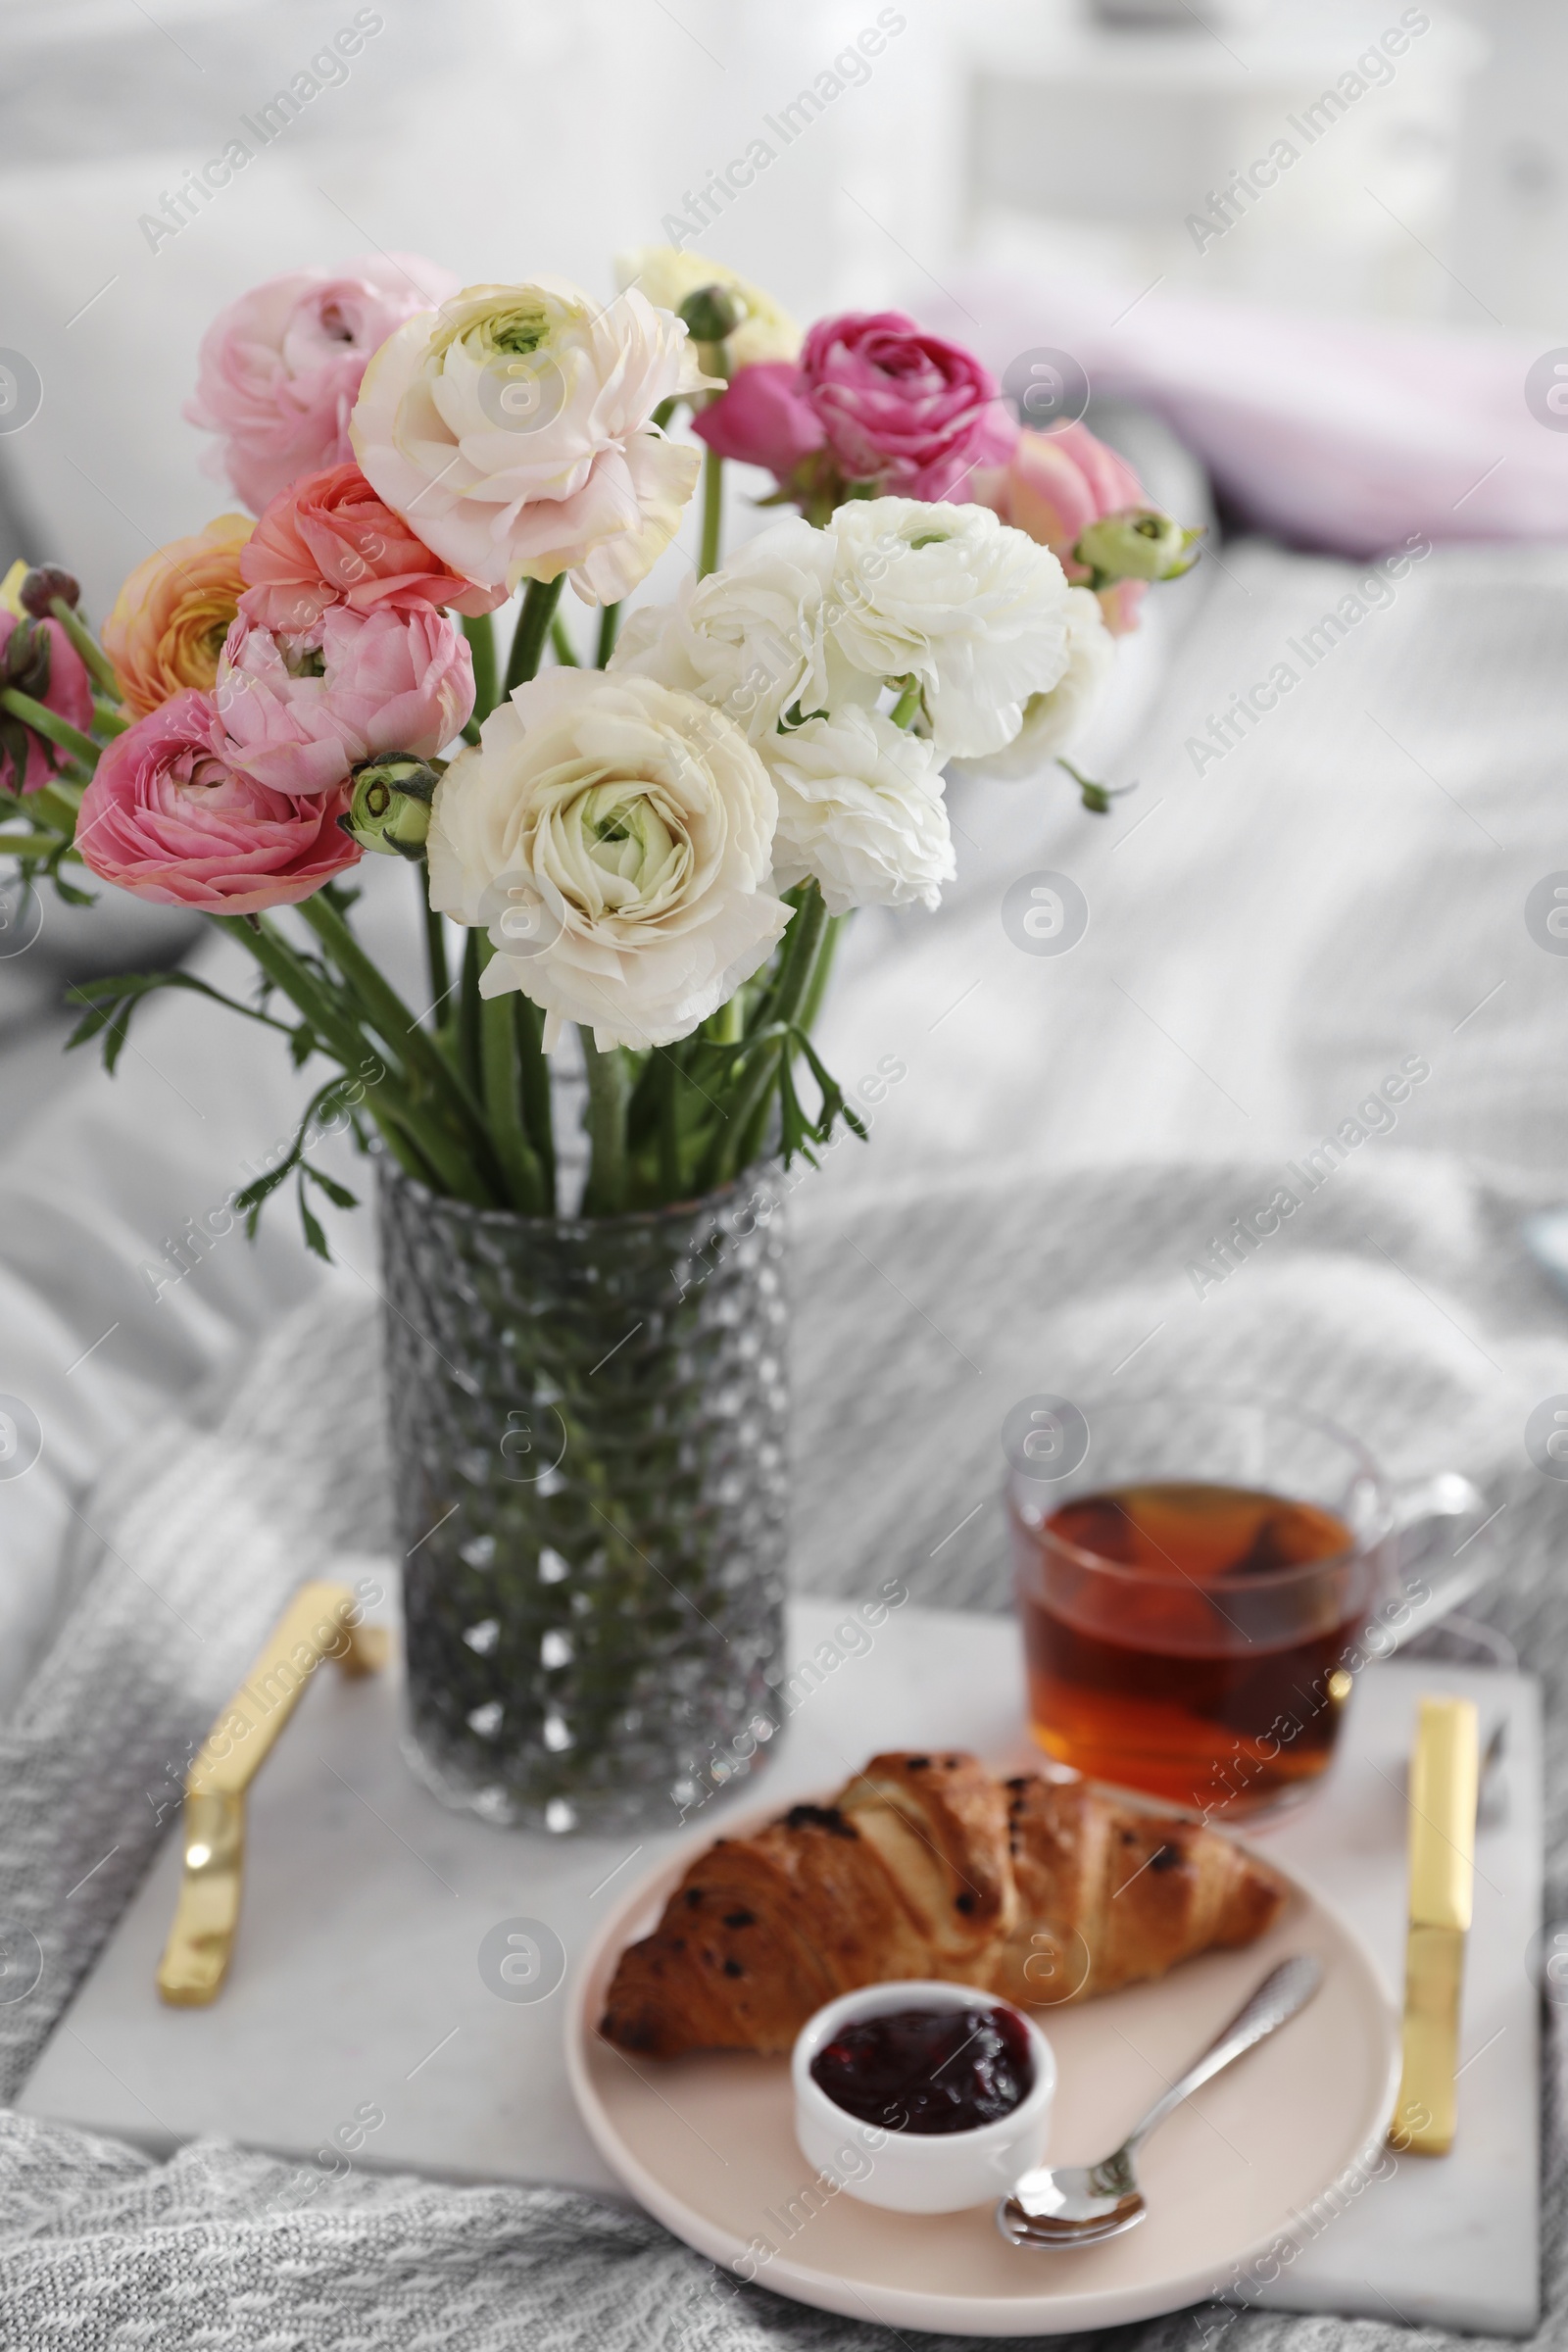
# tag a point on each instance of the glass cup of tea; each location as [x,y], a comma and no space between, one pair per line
[1200,1577]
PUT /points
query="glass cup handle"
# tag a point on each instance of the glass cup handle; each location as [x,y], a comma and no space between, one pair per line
[1440,1562]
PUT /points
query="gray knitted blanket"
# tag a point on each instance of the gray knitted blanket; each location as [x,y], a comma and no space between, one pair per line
[1398,1300]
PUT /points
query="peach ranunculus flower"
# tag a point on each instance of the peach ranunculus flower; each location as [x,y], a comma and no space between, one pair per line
[328,539]
[170,620]
[1054,486]
[515,430]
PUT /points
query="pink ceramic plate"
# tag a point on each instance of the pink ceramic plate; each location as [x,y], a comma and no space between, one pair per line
[708,2144]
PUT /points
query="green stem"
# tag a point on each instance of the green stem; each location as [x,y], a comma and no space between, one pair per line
[50,724]
[28,845]
[816,988]
[469,1012]
[669,1081]
[533,628]
[712,511]
[56,809]
[435,949]
[479,629]
[498,1055]
[536,1105]
[86,644]
[389,1015]
[106,719]
[566,651]
[341,1036]
[609,631]
[605,1121]
[404,1149]
[907,709]
[747,1127]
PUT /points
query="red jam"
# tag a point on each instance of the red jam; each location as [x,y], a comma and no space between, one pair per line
[928,2070]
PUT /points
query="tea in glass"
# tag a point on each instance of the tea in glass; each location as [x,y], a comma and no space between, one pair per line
[1185,1634]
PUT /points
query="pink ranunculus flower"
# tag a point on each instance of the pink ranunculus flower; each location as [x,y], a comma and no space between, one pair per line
[167,817]
[40,662]
[764,418]
[328,539]
[898,408]
[1054,486]
[383,681]
[280,368]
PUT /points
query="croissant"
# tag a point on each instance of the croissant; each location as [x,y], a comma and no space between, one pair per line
[924,1866]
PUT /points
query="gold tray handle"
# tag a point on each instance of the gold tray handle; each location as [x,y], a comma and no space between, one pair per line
[322,1621]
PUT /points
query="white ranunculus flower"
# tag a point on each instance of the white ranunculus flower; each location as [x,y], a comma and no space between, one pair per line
[861,810]
[669,273]
[617,837]
[1053,721]
[755,638]
[512,429]
[972,609]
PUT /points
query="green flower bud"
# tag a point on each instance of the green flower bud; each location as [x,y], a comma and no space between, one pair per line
[711,314]
[25,664]
[1139,544]
[42,584]
[390,810]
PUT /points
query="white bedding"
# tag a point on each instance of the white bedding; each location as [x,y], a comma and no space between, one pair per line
[1268,941]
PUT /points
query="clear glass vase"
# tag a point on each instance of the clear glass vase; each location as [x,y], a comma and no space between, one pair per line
[589,1445]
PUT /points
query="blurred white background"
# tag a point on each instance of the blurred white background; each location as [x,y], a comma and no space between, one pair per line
[508,135]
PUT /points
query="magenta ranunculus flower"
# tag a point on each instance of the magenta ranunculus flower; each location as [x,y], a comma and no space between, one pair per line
[280,368]
[1054,486]
[384,681]
[167,817]
[38,658]
[328,539]
[898,408]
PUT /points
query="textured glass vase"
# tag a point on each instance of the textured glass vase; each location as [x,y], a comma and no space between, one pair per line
[589,1446]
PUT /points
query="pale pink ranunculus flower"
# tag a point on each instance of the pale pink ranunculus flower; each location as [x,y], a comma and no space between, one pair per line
[376,682]
[515,430]
[280,368]
[169,818]
[328,539]
[40,662]
[1054,486]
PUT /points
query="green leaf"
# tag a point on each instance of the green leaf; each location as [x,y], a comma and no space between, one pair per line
[315,1238]
[254,1195]
[113,998]
[338,1194]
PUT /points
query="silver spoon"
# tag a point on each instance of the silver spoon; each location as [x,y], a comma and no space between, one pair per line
[1077,2204]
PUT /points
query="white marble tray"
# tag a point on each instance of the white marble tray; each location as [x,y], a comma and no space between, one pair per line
[356,1991]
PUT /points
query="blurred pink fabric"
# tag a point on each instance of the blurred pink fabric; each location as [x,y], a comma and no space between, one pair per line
[1340,434]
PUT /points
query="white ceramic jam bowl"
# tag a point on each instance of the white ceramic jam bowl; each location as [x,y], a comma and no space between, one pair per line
[918,2171]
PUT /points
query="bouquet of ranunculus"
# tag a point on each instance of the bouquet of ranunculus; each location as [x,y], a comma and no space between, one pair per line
[656,850]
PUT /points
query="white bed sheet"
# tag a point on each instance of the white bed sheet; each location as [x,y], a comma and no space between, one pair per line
[1268,940]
